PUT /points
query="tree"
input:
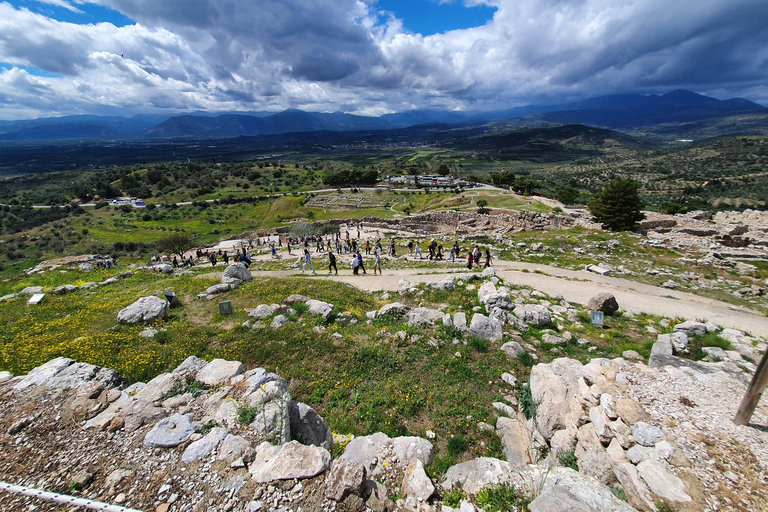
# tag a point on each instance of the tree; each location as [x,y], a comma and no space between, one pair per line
[176,243]
[618,206]
[482,203]
[566,194]
[443,170]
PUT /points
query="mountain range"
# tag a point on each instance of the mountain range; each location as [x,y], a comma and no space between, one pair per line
[623,112]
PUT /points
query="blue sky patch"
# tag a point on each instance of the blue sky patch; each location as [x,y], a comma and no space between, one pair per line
[29,69]
[428,17]
[81,14]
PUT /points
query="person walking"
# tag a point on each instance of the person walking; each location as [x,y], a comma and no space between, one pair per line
[477,254]
[307,261]
[452,255]
[488,258]
[417,252]
[226,258]
[410,247]
[377,263]
[360,262]
[469,261]
[332,263]
[355,265]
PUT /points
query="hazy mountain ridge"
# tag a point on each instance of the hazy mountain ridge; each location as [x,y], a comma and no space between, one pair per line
[621,112]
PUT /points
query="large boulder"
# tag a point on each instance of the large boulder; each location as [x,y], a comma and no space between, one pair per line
[565,490]
[320,308]
[308,427]
[236,274]
[485,328]
[205,446]
[262,311]
[691,328]
[416,483]
[604,302]
[447,283]
[396,307]
[487,288]
[516,439]
[144,311]
[535,314]
[377,452]
[218,288]
[424,316]
[170,432]
[477,474]
[344,478]
[219,371]
[288,461]
[555,387]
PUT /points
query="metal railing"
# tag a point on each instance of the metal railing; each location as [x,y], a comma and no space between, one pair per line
[63,498]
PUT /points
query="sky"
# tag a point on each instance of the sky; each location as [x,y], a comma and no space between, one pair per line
[369,57]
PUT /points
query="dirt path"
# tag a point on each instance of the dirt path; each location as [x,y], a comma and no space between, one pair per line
[577,287]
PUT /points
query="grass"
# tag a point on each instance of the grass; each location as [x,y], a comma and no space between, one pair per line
[500,498]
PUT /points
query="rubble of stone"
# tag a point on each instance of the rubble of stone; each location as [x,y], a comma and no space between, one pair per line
[737,235]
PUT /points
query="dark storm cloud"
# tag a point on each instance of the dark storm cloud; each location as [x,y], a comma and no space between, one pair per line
[349,55]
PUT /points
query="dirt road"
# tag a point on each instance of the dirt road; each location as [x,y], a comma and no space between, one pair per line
[577,287]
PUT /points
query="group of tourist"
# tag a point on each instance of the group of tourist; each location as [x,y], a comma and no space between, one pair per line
[356,262]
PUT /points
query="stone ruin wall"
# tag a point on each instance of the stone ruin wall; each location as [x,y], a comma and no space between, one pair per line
[454,223]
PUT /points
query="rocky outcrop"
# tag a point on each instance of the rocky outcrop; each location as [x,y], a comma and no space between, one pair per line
[144,311]
[236,274]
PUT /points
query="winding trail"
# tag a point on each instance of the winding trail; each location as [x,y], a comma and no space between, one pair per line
[576,286]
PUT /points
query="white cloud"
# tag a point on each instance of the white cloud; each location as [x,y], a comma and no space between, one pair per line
[62,3]
[347,55]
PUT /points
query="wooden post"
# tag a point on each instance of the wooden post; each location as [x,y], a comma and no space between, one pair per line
[754,391]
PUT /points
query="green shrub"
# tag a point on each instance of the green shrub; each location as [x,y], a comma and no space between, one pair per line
[527,404]
[478,344]
[457,445]
[526,359]
[453,497]
[246,415]
[500,498]
[568,459]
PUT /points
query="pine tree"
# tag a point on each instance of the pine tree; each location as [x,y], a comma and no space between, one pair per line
[618,206]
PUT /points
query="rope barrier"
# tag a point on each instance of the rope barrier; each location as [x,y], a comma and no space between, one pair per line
[63,498]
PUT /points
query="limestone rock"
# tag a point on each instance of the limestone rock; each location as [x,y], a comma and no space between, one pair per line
[638,494]
[262,311]
[460,322]
[295,299]
[630,411]
[279,321]
[397,307]
[488,272]
[189,367]
[42,373]
[378,497]
[516,439]
[593,458]
[604,302]
[447,283]
[320,308]
[145,310]
[477,474]
[555,388]
[374,450]
[533,314]
[416,483]
[691,328]
[661,482]
[485,328]
[512,349]
[203,447]
[236,274]
[219,371]
[344,478]
[140,412]
[423,316]
[288,461]
[157,387]
[217,288]
[169,432]
[233,447]
[307,427]
[565,490]
[484,291]
[645,434]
